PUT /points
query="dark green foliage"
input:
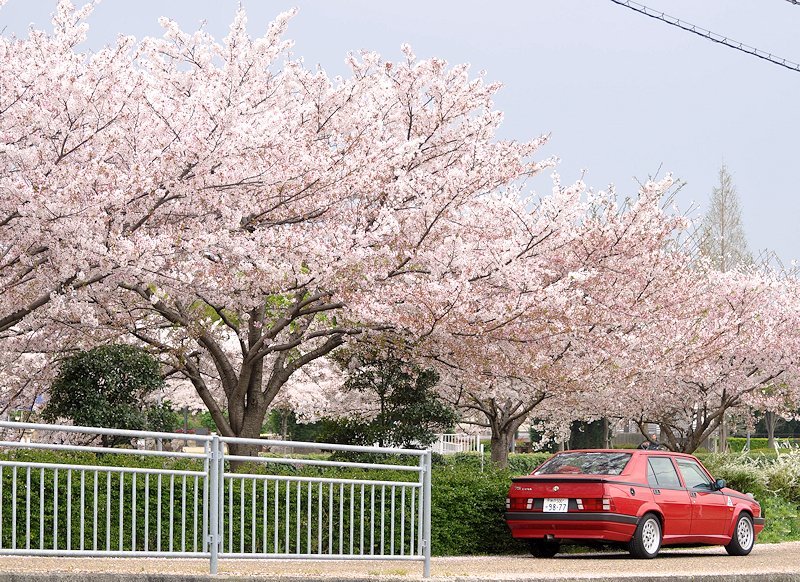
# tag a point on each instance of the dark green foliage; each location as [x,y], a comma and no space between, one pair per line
[207,421]
[467,512]
[783,520]
[162,417]
[588,435]
[107,387]
[283,421]
[51,529]
[409,414]
[518,463]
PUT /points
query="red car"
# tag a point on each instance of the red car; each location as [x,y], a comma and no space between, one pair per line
[640,499]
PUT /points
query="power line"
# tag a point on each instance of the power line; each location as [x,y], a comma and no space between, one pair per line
[712,36]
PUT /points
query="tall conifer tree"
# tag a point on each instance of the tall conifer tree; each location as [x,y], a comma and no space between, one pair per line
[723,240]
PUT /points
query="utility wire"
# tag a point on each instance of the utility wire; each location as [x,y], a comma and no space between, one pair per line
[712,36]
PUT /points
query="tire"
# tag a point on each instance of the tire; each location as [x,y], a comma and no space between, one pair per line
[543,549]
[744,536]
[646,540]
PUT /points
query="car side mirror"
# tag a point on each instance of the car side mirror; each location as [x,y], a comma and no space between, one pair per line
[719,484]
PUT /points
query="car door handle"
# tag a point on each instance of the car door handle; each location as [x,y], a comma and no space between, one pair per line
[693,493]
[656,491]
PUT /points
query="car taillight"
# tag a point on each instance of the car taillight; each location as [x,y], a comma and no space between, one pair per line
[604,504]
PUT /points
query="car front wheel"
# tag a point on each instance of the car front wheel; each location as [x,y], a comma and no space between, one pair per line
[646,540]
[543,549]
[743,537]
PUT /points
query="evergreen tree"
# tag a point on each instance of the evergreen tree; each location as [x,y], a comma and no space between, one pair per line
[405,411]
[723,240]
[108,387]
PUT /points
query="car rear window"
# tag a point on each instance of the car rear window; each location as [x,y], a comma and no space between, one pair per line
[585,464]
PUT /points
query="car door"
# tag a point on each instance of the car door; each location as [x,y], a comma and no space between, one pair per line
[670,495]
[711,509]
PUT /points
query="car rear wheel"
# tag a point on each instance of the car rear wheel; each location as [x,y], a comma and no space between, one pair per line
[543,549]
[743,537]
[646,540]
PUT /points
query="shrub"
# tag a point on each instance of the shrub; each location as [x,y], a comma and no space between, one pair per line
[467,512]
[760,475]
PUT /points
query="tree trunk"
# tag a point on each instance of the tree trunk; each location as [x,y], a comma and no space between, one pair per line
[501,442]
[771,420]
[723,435]
[284,424]
[250,429]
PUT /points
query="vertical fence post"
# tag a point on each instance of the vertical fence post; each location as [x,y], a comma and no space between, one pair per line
[426,544]
[206,490]
[212,509]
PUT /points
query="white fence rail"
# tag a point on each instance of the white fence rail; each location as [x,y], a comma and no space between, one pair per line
[117,502]
[456,443]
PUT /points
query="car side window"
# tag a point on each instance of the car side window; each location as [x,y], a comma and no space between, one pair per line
[693,475]
[661,473]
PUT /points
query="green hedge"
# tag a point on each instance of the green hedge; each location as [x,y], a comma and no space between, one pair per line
[467,512]
[518,463]
[737,444]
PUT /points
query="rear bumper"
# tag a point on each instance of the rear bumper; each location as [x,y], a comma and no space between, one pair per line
[612,527]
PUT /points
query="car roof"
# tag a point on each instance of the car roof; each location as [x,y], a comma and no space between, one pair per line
[630,451]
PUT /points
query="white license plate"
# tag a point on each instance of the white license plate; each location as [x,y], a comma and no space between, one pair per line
[555,505]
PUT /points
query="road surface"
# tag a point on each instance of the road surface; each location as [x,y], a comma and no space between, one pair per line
[774,562]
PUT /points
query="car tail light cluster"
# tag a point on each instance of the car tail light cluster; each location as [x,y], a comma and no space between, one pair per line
[530,504]
[518,503]
[604,504]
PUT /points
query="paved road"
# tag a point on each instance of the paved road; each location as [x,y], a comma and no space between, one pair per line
[780,561]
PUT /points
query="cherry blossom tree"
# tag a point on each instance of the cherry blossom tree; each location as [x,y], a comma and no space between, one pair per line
[588,273]
[737,342]
[280,211]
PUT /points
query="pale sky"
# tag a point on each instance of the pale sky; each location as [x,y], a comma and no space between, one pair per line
[622,94]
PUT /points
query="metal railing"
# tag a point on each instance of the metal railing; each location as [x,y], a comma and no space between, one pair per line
[97,501]
[456,443]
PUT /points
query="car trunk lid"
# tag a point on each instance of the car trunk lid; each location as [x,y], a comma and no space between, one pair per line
[556,494]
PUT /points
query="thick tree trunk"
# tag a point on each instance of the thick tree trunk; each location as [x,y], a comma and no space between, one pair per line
[501,442]
[250,429]
[502,439]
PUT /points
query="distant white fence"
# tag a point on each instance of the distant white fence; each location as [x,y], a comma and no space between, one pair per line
[122,502]
[456,443]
